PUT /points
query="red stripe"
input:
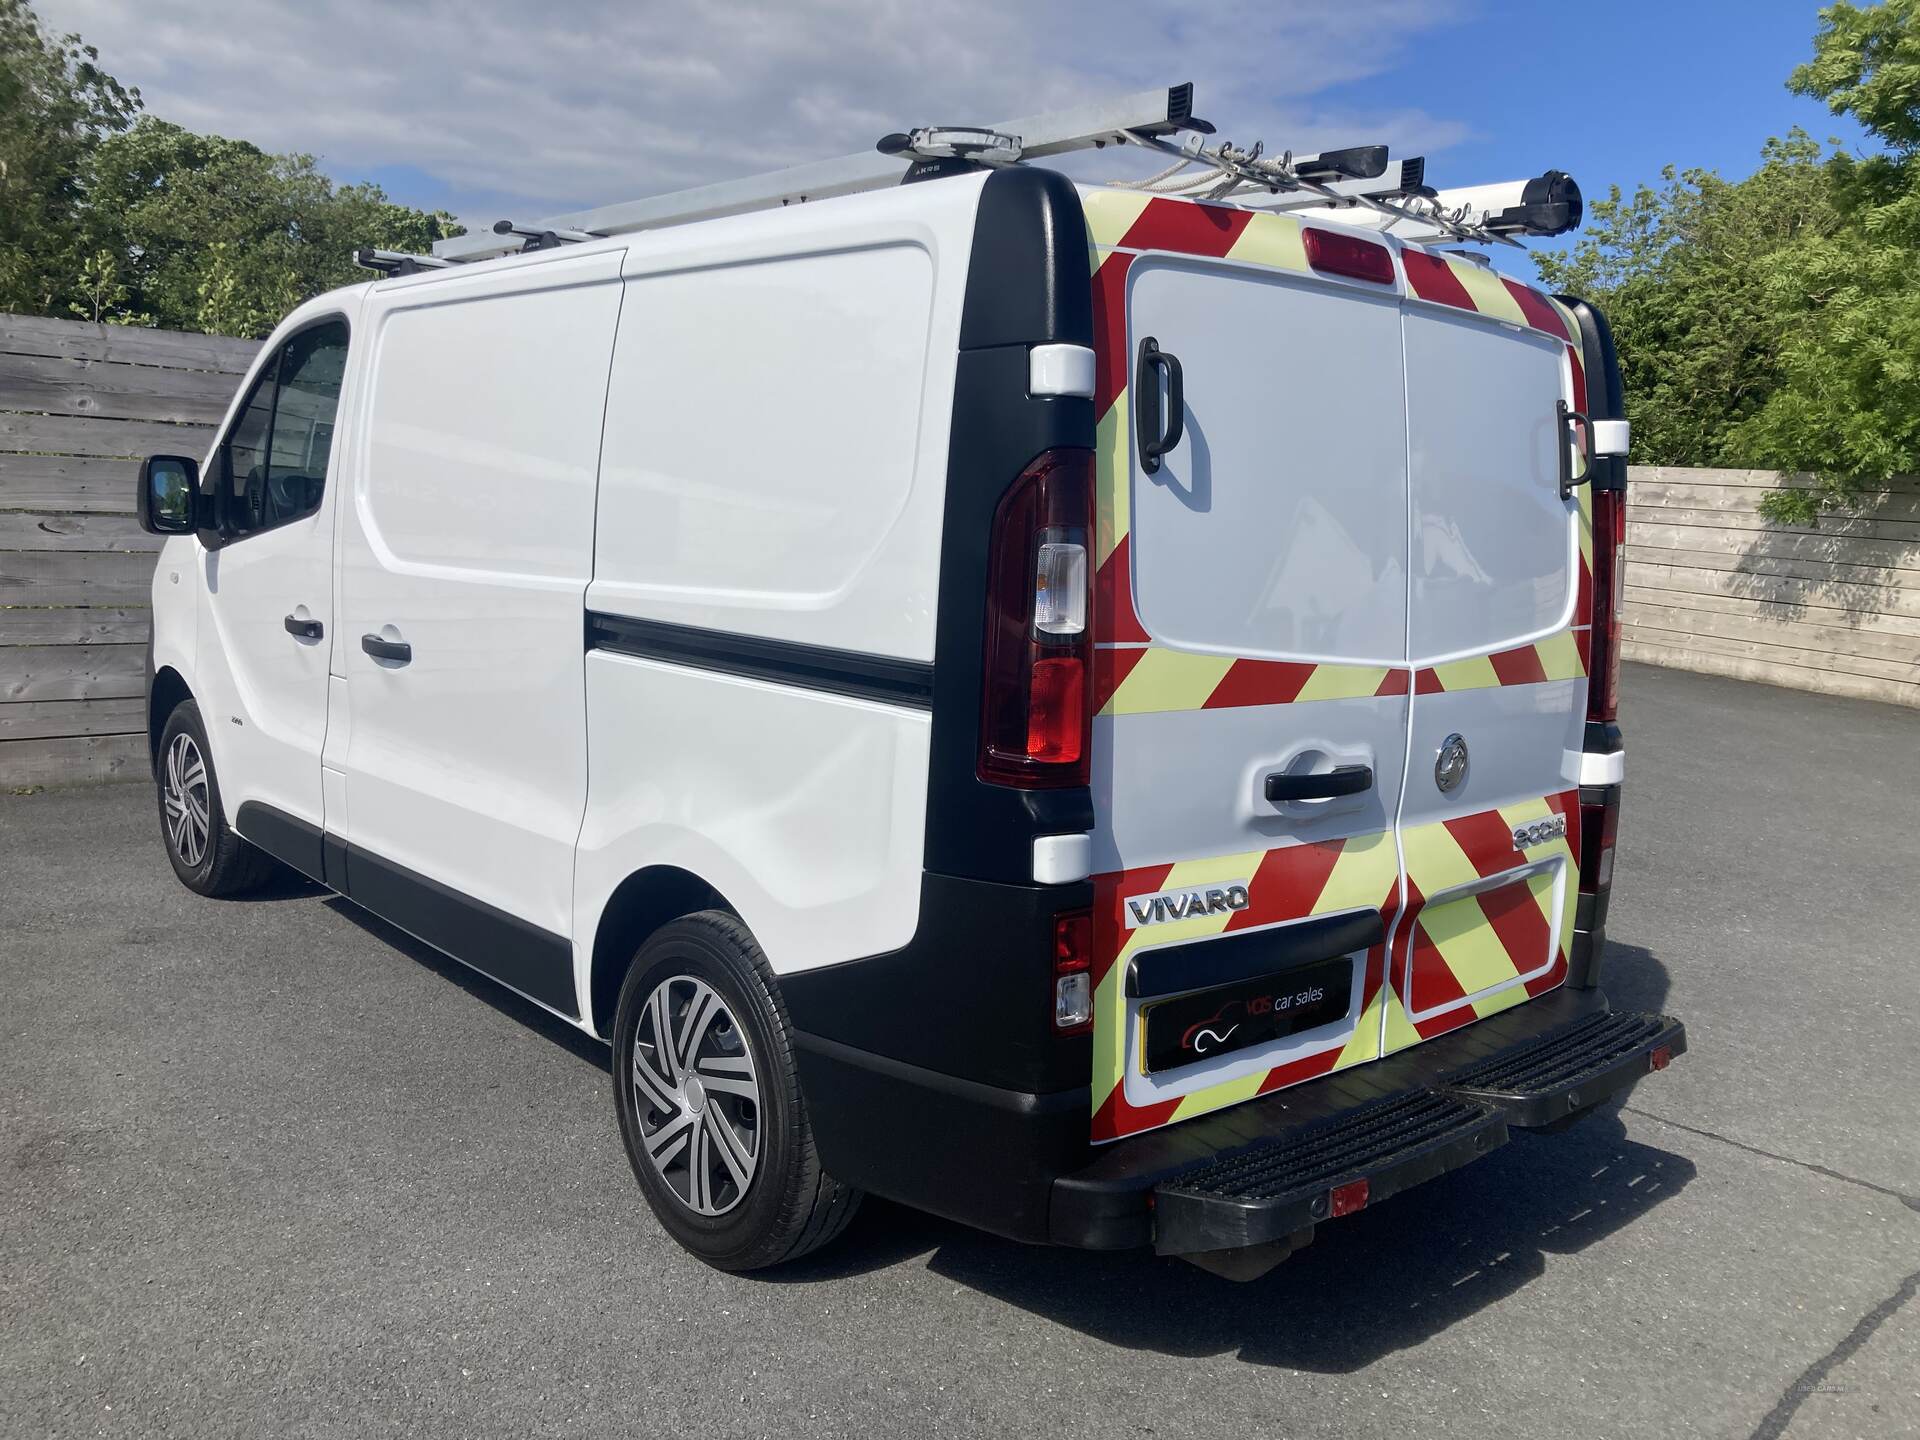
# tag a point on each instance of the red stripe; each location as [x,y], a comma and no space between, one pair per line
[1396,683]
[1109,332]
[1549,978]
[1431,980]
[1431,279]
[1114,622]
[1307,1067]
[1259,682]
[1441,1024]
[1187,226]
[1519,667]
[1523,930]
[1110,670]
[1110,892]
[1287,883]
[1583,601]
[1116,1117]
[1534,306]
[1579,380]
[1486,840]
[1427,682]
[1567,805]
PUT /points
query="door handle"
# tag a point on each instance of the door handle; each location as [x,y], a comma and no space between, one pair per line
[396,650]
[305,629]
[1324,785]
[1152,364]
[1564,432]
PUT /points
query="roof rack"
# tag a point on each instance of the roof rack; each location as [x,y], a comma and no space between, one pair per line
[1352,185]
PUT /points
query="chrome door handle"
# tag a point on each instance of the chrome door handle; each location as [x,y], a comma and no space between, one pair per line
[396,650]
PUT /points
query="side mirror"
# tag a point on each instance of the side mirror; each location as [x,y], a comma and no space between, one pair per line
[169,486]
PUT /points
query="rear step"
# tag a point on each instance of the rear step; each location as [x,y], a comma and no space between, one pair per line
[1333,1168]
[1570,1069]
[1266,1198]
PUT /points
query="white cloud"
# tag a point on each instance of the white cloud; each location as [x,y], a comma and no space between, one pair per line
[569,101]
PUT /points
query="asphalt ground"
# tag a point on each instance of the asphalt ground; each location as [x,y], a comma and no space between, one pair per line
[268,1168]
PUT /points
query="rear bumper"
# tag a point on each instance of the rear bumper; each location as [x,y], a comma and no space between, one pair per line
[1020,1165]
[1269,1170]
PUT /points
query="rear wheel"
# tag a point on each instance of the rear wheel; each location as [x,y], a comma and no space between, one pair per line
[709,1102]
[207,855]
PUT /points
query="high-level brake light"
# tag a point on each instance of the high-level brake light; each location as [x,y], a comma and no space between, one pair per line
[1335,254]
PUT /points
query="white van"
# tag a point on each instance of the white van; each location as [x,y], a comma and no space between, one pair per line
[967,687]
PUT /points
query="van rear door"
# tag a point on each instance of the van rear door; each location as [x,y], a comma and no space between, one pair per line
[1252,633]
[1497,641]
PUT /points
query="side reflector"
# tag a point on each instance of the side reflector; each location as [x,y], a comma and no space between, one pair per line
[1349,255]
[1660,1058]
[1347,1198]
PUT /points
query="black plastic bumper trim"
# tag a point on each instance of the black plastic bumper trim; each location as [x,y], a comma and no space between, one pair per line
[1570,1069]
[1251,954]
[809,667]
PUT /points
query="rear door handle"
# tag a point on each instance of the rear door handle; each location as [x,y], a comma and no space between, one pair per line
[1325,785]
[1152,368]
[305,629]
[396,650]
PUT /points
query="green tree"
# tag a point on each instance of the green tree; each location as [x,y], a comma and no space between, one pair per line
[1776,320]
[123,217]
[56,106]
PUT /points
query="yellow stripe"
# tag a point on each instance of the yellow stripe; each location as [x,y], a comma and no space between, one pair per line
[1467,941]
[1111,466]
[1212,1097]
[1111,213]
[1501,1000]
[1399,1029]
[1341,682]
[1475,674]
[1168,680]
[1435,861]
[1271,240]
[1561,657]
[1585,492]
[1366,872]
[1364,1043]
[1566,319]
[1489,296]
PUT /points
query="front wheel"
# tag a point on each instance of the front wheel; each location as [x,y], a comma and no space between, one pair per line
[709,1102]
[207,855]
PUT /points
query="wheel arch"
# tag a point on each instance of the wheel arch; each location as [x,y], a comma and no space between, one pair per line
[640,905]
[164,695]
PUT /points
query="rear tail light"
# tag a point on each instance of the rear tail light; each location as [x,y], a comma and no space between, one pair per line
[1035,724]
[1609,592]
[1073,972]
[1599,831]
[1349,255]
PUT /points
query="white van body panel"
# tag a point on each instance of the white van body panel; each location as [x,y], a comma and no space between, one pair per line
[758,477]
[807,811]
[470,537]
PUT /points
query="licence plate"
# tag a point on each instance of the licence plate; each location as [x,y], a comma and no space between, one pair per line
[1207,1023]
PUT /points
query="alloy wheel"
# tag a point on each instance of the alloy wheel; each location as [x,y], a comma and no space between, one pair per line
[185,793]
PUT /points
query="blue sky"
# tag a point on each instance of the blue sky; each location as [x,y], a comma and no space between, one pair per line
[495,107]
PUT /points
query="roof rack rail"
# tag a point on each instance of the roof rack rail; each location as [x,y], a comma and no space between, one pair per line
[1355,185]
[395,262]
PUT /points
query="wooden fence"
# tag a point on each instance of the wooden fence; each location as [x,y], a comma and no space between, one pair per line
[1712,586]
[78,404]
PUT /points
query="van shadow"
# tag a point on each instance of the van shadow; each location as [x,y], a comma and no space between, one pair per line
[1381,1281]
[480,987]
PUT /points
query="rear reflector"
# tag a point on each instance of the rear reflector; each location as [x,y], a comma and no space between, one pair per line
[1347,1198]
[1609,592]
[1599,831]
[1349,255]
[1661,1057]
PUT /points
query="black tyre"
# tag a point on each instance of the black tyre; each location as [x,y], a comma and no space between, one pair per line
[206,854]
[709,1102]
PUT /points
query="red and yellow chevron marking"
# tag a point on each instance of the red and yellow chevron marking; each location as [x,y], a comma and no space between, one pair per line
[1561,656]
[1291,882]
[1458,960]
[1132,676]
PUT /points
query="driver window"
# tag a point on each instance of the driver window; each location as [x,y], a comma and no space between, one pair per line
[276,460]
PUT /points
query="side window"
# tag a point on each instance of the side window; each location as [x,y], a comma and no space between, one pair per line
[274,464]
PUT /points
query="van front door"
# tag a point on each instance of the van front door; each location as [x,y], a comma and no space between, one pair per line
[1250,736]
[266,623]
